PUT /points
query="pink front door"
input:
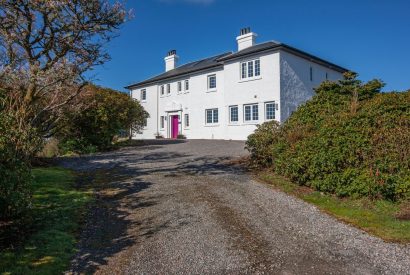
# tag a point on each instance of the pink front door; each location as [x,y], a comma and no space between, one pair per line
[174,126]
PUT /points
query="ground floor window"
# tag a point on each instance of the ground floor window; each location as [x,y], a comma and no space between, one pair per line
[269,110]
[162,122]
[211,116]
[251,112]
[186,120]
[233,114]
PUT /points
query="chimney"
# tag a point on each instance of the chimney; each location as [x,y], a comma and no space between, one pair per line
[171,60]
[246,39]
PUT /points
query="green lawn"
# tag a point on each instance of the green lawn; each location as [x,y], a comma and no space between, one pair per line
[58,208]
[376,217]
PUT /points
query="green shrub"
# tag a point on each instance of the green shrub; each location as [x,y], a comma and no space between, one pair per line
[15,176]
[349,139]
[106,114]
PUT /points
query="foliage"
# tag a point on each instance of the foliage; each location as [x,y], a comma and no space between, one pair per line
[349,139]
[106,113]
[46,47]
[56,215]
[15,177]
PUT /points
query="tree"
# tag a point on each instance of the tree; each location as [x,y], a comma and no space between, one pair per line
[104,113]
[45,49]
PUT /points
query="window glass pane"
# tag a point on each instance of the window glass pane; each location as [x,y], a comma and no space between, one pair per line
[179,86]
[244,70]
[250,69]
[162,90]
[212,82]
[168,88]
[270,110]
[208,116]
[247,113]
[234,114]
[186,85]
[215,115]
[255,112]
[257,67]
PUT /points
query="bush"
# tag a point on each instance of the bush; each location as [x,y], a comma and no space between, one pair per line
[349,139]
[105,115]
[15,176]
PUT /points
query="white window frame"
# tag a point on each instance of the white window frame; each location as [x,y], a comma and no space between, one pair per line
[179,86]
[266,110]
[253,74]
[252,106]
[209,82]
[143,95]
[162,90]
[230,114]
[186,85]
[213,122]
[168,89]
[162,122]
[186,121]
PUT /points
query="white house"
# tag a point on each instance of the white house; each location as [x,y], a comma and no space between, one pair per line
[226,96]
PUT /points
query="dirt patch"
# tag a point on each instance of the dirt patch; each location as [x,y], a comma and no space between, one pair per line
[404,212]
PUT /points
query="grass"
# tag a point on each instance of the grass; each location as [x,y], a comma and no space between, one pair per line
[57,212]
[376,217]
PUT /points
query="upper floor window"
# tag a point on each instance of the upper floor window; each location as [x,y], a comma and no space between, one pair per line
[233,114]
[162,90]
[251,112]
[168,88]
[212,82]
[179,86]
[143,95]
[250,69]
[187,85]
[211,116]
[311,73]
[269,110]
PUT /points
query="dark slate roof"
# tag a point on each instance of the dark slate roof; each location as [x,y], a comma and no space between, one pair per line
[200,65]
[218,60]
[268,46]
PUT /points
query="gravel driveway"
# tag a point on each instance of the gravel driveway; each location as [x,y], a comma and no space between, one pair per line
[176,207]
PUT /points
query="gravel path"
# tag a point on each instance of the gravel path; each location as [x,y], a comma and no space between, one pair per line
[176,208]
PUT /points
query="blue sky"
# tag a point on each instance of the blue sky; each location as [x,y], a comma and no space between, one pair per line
[371,37]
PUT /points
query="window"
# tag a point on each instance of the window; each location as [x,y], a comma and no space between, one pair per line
[162,122]
[212,81]
[179,86]
[251,69]
[233,114]
[145,122]
[257,67]
[143,95]
[311,74]
[211,116]
[162,90]
[243,74]
[327,76]
[187,85]
[186,120]
[251,112]
[168,88]
[269,110]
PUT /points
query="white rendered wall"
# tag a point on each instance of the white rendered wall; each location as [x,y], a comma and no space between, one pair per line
[284,79]
[296,87]
[259,90]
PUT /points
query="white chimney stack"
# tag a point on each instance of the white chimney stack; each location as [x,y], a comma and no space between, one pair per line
[246,39]
[171,60]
